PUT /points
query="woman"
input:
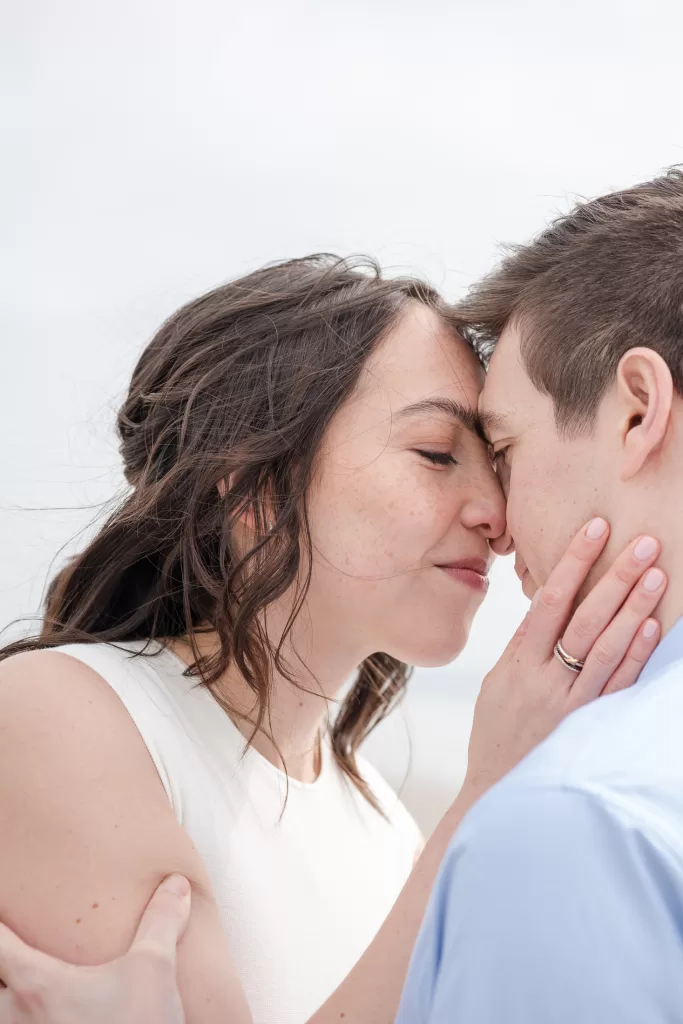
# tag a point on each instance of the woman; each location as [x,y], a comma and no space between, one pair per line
[308,488]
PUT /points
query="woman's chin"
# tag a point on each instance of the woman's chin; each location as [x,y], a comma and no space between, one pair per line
[434,654]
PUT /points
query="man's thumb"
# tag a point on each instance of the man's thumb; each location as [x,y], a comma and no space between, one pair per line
[16,958]
[165,918]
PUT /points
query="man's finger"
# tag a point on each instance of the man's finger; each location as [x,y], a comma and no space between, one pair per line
[17,959]
[165,918]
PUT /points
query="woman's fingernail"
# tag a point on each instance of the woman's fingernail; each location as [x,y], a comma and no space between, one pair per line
[653,580]
[596,529]
[650,628]
[645,548]
[177,884]
[535,599]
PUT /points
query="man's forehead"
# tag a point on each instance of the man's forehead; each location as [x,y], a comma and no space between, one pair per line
[506,384]
[494,405]
[494,398]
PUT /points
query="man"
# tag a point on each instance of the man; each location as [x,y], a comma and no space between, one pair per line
[561,898]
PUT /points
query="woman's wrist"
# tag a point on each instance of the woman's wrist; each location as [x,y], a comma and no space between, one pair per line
[466,798]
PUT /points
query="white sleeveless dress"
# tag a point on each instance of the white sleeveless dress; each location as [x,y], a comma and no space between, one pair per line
[302,893]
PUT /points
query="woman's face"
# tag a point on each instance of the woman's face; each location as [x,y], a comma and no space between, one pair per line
[405,509]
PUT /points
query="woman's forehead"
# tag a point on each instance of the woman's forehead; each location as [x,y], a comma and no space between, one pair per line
[423,356]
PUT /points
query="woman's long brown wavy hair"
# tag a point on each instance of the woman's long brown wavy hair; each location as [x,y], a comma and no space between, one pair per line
[225,413]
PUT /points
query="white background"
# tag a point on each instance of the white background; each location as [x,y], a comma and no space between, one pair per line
[153,149]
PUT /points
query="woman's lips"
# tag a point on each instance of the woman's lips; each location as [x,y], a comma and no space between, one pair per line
[472,572]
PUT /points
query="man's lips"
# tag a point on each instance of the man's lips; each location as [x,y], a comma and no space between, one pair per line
[471,571]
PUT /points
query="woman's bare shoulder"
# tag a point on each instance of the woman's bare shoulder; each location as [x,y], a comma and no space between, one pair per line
[50,698]
[46,670]
[88,831]
[82,809]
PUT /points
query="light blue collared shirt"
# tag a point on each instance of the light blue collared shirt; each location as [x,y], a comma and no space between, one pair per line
[560,900]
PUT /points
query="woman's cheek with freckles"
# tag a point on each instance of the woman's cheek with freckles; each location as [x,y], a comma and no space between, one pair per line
[383,517]
[355,523]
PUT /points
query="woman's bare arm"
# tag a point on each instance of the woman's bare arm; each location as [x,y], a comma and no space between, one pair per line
[88,833]
[370,993]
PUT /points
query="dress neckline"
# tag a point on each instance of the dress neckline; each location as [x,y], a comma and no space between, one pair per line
[325,759]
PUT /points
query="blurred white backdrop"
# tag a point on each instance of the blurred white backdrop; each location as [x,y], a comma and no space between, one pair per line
[154,149]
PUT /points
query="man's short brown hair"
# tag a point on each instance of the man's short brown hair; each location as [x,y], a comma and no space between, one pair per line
[605,278]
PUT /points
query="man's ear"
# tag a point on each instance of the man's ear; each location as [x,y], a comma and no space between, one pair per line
[645,395]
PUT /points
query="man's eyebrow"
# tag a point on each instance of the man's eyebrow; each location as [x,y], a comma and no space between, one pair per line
[489,421]
[469,418]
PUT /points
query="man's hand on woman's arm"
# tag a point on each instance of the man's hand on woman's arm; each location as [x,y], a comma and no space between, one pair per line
[88,833]
[138,988]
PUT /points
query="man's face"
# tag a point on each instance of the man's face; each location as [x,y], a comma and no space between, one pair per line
[553,485]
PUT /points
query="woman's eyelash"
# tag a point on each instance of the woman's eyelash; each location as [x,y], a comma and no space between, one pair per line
[438,458]
[500,455]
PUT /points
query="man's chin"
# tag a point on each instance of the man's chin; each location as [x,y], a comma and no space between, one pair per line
[531,585]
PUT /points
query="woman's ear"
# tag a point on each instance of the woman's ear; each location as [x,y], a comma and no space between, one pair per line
[246,518]
[645,395]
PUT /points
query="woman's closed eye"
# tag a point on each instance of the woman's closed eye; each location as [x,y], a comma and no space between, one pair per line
[437,458]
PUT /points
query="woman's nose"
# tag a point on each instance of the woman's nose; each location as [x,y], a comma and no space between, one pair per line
[503,544]
[485,512]
[486,515]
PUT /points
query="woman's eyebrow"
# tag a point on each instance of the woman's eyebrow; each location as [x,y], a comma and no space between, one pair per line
[464,414]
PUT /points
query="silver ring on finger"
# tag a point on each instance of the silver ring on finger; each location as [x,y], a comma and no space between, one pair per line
[573,664]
